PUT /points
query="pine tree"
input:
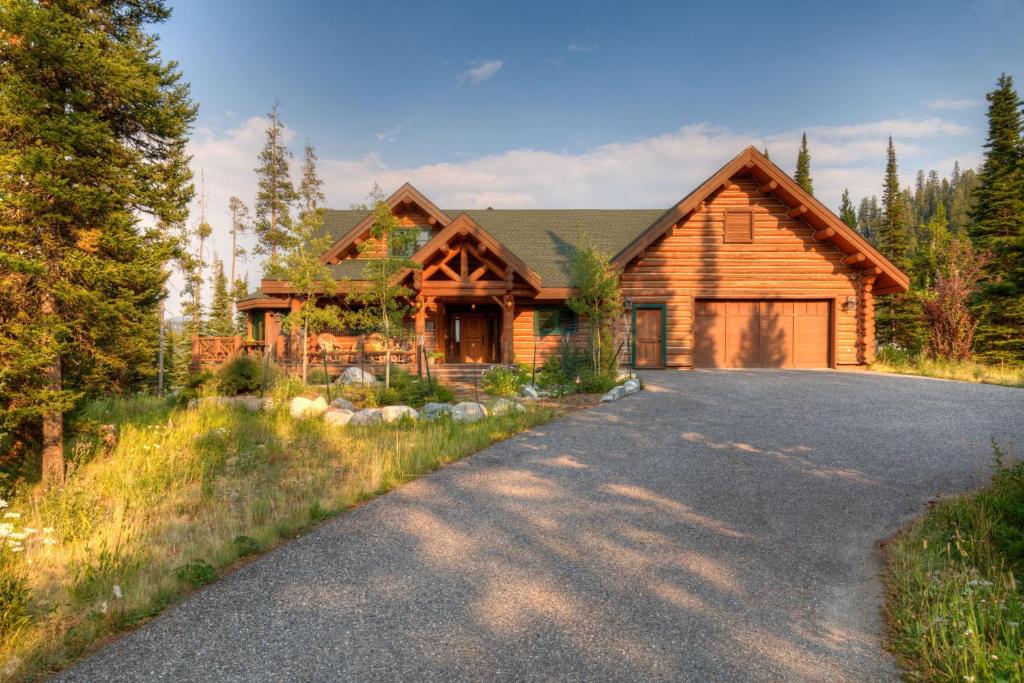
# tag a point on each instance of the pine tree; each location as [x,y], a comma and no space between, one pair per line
[997,226]
[302,266]
[846,211]
[898,316]
[239,226]
[93,127]
[765,153]
[933,243]
[221,322]
[803,167]
[275,193]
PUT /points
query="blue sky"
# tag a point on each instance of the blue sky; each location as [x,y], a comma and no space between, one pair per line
[587,104]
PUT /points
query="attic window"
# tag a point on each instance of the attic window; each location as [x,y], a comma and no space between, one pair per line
[739,226]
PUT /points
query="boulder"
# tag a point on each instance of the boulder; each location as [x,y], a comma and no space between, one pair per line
[366,416]
[530,392]
[631,386]
[505,405]
[338,417]
[354,375]
[467,411]
[614,394]
[396,413]
[343,404]
[432,411]
[302,407]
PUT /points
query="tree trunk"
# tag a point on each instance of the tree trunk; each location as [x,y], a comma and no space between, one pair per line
[160,358]
[305,349]
[53,423]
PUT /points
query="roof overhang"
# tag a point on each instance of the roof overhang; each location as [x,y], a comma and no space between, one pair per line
[828,226]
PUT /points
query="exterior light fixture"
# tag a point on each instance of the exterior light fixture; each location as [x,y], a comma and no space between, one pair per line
[628,303]
[849,303]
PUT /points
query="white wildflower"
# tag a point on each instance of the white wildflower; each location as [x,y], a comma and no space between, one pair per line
[3,503]
[103,606]
[18,549]
[12,515]
[49,541]
[47,529]
[117,591]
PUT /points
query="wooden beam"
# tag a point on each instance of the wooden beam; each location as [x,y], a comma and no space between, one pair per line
[464,264]
[445,248]
[449,272]
[853,258]
[477,274]
[797,211]
[768,187]
[431,220]
[482,248]
[824,234]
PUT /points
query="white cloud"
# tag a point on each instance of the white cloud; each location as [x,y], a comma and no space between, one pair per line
[581,47]
[391,134]
[952,104]
[648,172]
[482,70]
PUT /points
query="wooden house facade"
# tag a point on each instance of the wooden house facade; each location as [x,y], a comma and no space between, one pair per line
[748,270]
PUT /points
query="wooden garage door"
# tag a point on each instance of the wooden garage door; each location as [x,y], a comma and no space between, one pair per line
[761,334]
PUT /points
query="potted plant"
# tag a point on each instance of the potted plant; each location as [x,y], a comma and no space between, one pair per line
[436,357]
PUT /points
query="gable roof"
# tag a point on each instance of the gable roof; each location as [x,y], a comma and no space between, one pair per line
[813,212]
[542,239]
[465,224]
[348,234]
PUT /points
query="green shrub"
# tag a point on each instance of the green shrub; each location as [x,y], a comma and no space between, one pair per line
[243,374]
[407,389]
[14,595]
[245,545]
[505,380]
[196,573]
[317,376]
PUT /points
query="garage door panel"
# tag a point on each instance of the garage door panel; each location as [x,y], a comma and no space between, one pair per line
[761,333]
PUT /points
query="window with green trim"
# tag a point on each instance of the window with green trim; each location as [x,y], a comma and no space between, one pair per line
[409,246]
[548,321]
[258,325]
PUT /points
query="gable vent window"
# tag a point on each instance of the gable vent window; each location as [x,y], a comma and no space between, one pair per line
[739,226]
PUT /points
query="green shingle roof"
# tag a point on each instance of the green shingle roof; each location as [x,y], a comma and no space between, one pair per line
[542,238]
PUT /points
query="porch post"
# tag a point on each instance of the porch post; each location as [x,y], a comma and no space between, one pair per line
[508,314]
[421,332]
[441,329]
[294,335]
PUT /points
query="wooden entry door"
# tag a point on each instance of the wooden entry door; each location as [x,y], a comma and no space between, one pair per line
[475,338]
[649,337]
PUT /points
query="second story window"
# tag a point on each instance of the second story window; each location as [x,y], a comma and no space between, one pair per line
[409,246]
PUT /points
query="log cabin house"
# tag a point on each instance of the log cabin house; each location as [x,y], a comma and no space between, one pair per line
[748,270]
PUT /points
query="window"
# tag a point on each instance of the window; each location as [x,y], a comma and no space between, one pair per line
[547,321]
[410,247]
[258,324]
[739,225]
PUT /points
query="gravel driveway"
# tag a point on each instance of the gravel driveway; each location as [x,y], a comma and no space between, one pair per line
[722,525]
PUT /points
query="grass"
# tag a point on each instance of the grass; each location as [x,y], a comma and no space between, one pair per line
[955,603]
[905,363]
[181,497]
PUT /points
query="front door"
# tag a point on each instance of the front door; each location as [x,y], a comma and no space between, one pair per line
[475,342]
[649,338]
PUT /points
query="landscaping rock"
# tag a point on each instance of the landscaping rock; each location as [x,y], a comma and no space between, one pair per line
[631,386]
[302,407]
[396,413]
[467,411]
[432,411]
[505,405]
[614,394]
[343,404]
[530,393]
[366,416]
[354,375]
[338,417]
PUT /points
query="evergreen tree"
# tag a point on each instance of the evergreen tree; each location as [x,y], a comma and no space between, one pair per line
[898,316]
[933,243]
[997,226]
[93,127]
[803,167]
[846,211]
[221,322]
[275,193]
[765,152]
[302,267]
[239,225]
[238,292]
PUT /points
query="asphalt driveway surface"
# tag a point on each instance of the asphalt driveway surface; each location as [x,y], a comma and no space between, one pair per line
[719,526]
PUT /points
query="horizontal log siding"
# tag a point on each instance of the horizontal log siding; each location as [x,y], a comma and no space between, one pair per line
[523,337]
[784,260]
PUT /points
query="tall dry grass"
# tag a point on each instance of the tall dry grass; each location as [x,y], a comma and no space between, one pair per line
[183,495]
[905,363]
